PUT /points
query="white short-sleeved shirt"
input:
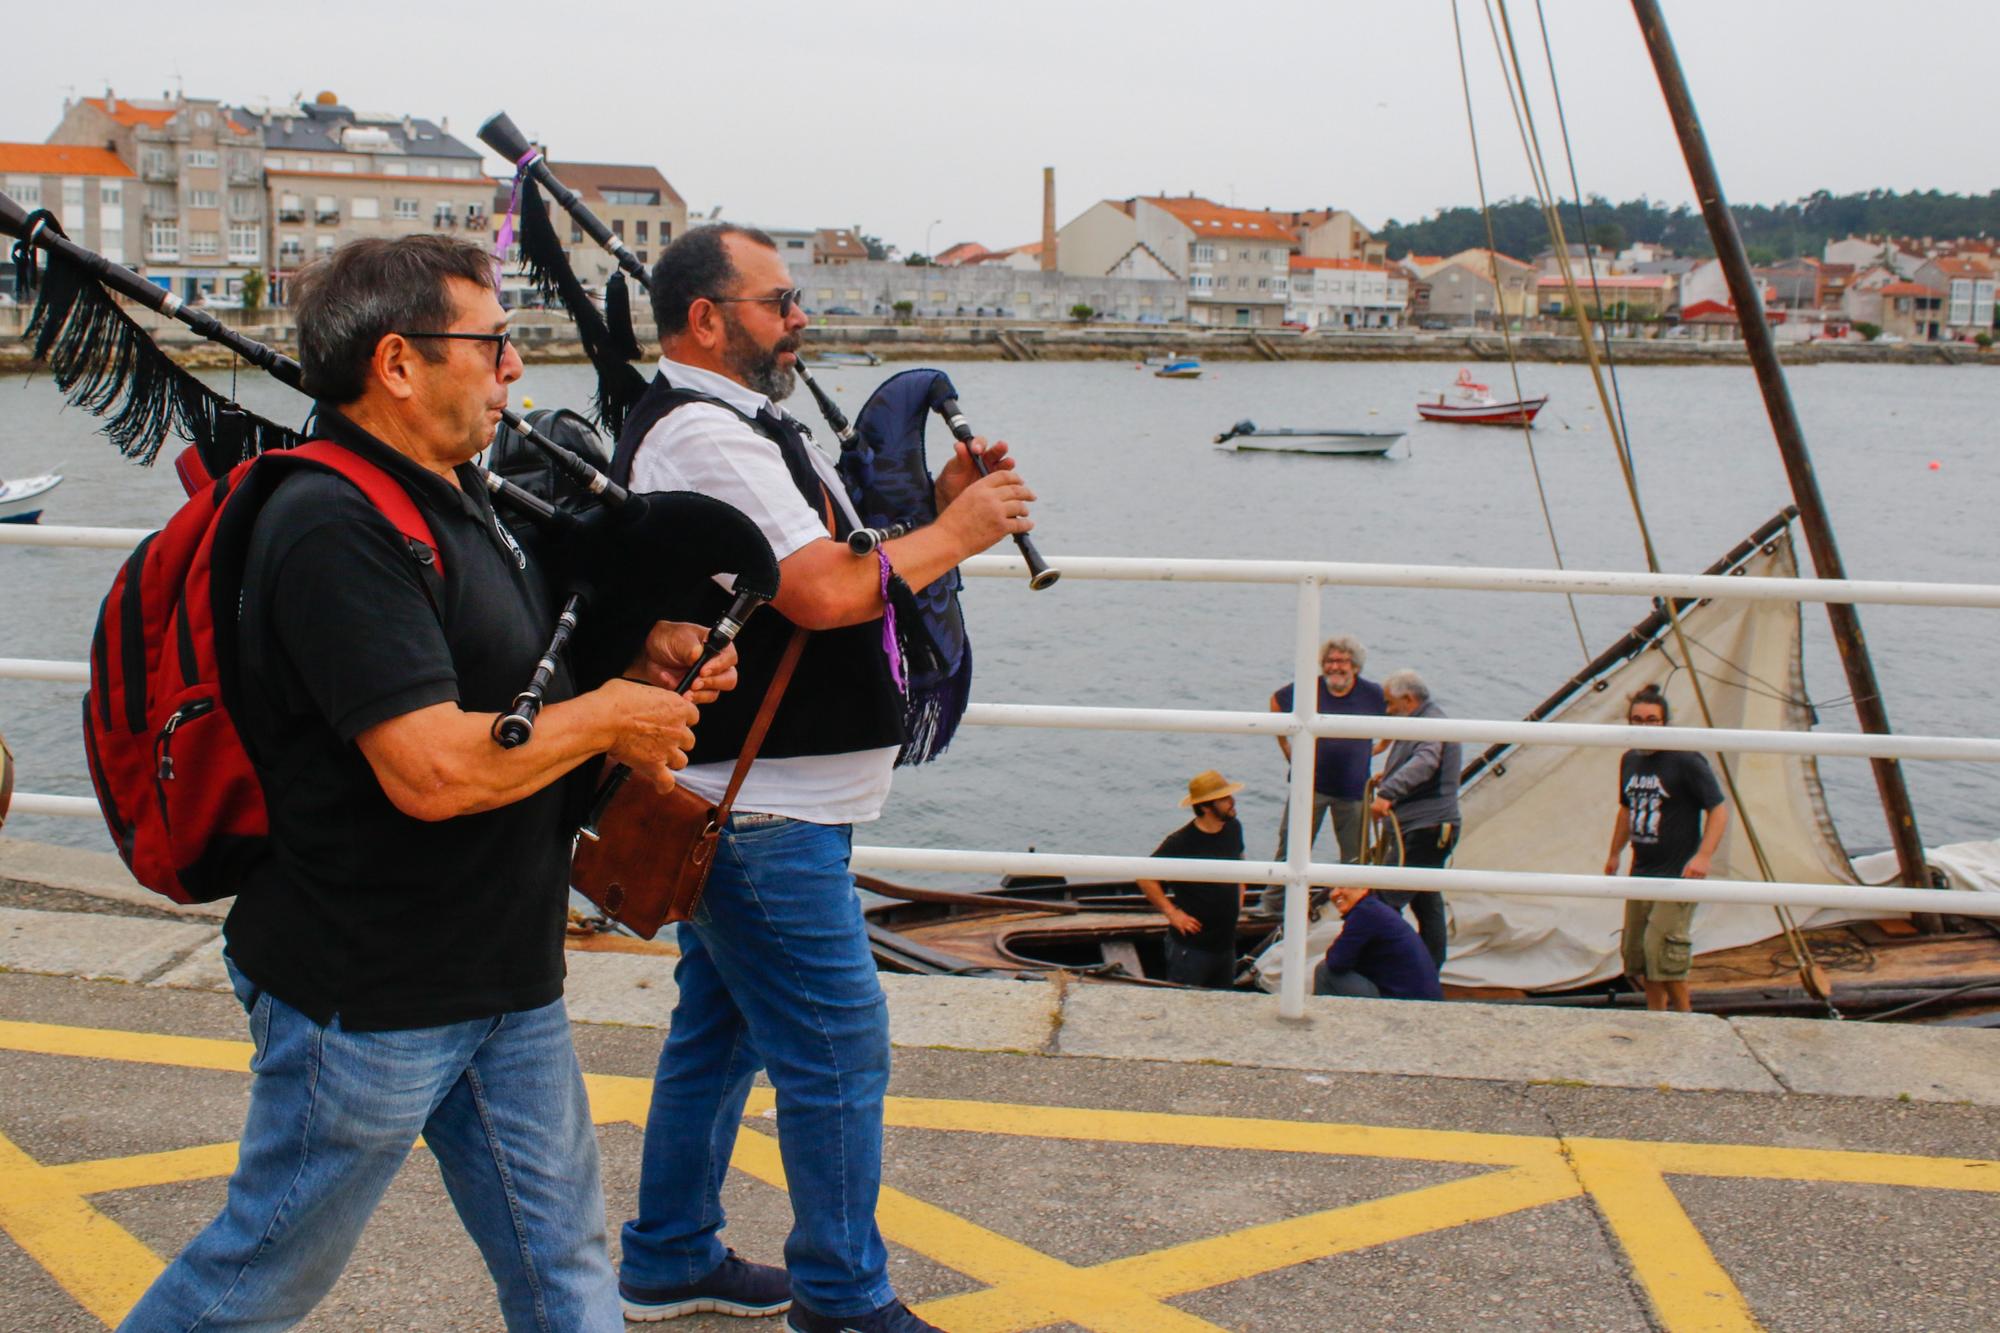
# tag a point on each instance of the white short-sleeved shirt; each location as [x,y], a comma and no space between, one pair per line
[713,451]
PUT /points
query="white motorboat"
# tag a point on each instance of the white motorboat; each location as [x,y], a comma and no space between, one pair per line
[1332,440]
[21,499]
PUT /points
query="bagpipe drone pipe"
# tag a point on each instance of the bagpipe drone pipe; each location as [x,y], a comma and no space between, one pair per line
[639,556]
[882,460]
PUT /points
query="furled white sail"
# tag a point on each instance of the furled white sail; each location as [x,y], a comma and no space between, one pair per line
[1551,808]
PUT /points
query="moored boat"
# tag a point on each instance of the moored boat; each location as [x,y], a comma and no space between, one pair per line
[1475,405]
[1332,440]
[1180,368]
[21,499]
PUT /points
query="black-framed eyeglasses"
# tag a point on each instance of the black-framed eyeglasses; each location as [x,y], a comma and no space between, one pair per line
[786,301]
[500,342]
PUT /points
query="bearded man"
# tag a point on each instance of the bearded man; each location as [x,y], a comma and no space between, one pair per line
[775,969]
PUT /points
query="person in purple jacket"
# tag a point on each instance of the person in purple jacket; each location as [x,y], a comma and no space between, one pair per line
[1377,955]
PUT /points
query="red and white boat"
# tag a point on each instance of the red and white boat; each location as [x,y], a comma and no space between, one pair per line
[1475,405]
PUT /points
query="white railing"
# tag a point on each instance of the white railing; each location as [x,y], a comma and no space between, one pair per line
[1298,873]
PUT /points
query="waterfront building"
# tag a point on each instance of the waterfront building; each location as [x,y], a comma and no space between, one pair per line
[1459,291]
[1610,296]
[633,199]
[965,252]
[334,174]
[838,245]
[1345,294]
[1015,258]
[200,166]
[1966,283]
[1907,310]
[93,194]
[998,290]
[1334,233]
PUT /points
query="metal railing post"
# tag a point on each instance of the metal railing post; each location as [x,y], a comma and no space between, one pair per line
[1298,816]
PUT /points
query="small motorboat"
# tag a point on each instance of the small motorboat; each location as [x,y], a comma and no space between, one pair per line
[1475,405]
[1179,368]
[842,360]
[1304,440]
[21,499]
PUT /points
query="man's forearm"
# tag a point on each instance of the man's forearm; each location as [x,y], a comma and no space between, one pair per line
[1713,828]
[823,585]
[441,761]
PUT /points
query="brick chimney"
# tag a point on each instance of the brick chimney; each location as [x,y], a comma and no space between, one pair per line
[1048,219]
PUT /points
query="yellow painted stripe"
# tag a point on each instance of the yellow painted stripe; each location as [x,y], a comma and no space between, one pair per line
[145,1169]
[1201,1131]
[146,1048]
[1689,1290]
[1755,1162]
[100,1264]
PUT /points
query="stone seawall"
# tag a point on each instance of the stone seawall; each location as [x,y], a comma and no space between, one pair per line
[545,337]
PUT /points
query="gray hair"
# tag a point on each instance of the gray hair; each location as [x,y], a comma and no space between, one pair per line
[345,303]
[1348,644]
[1407,685]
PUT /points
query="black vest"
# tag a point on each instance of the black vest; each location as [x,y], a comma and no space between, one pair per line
[842,698]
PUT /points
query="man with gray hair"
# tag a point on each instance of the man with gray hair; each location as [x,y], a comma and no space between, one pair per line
[1340,766]
[1419,785]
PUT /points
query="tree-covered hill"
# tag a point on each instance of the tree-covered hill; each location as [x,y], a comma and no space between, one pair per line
[1771,231]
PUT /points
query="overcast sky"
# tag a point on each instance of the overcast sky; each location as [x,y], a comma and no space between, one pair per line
[893,114]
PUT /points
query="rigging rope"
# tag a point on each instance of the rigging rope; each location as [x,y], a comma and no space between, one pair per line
[1506,334]
[1514,76]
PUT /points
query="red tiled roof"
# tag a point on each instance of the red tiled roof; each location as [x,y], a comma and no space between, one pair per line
[1963,266]
[1206,218]
[60,159]
[591,179]
[125,112]
[1908,289]
[965,252]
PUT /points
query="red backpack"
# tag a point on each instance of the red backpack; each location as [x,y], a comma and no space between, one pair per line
[176,786]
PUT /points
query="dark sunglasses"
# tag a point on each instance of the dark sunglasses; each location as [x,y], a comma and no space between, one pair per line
[500,342]
[786,301]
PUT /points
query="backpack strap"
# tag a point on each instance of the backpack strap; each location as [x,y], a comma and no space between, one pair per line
[384,492]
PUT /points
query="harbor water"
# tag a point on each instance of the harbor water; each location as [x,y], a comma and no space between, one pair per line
[1124,466]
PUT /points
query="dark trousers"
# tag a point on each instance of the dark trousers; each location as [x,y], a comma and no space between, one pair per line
[1350,984]
[1213,968]
[1429,849]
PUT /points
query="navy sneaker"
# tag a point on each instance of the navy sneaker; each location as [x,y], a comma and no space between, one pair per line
[733,1287]
[895,1317]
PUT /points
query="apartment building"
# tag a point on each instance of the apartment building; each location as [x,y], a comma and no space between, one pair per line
[634,200]
[92,193]
[1345,294]
[1967,285]
[200,170]
[335,174]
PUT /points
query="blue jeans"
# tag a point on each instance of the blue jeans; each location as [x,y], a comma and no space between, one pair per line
[333,1113]
[775,973]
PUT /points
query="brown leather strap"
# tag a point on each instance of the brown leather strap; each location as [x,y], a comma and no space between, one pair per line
[772,695]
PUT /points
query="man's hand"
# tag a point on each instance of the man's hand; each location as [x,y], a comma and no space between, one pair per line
[1697,867]
[655,729]
[671,648]
[987,510]
[1611,866]
[961,471]
[1380,805]
[1181,922]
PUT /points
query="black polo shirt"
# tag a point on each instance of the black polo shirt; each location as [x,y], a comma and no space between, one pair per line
[362,911]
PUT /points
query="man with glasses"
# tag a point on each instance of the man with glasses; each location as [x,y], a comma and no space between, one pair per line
[400,949]
[1340,766]
[775,970]
[1672,815]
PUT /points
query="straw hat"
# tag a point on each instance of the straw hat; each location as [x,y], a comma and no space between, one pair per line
[1209,786]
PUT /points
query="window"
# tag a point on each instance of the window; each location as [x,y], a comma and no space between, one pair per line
[163,240]
[1201,282]
[323,245]
[1263,284]
[244,244]
[639,231]
[666,231]
[618,228]
[291,208]
[290,250]
[243,204]
[395,168]
[72,205]
[575,234]
[111,194]
[326,209]
[1243,281]
[27,190]
[204,243]
[407,209]
[365,207]
[201,157]
[202,120]
[431,169]
[649,198]
[204,199]
[1204,254]
[156,165]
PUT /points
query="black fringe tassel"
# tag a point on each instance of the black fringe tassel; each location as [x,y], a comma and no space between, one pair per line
[619,382]
[110,367]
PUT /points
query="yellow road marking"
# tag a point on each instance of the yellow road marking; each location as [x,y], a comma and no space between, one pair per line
[103,1267]
[45,1210]
[1689,1290]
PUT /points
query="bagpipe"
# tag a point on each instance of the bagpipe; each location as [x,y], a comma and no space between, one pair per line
[882,463]
[641,550]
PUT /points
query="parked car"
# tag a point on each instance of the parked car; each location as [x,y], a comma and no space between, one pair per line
[840,310]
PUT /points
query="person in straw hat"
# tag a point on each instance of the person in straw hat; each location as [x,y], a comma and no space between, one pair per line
[1201,916]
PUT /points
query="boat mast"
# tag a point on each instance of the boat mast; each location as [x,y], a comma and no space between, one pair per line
[1749,303]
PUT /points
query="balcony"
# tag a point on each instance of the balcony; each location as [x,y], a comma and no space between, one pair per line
[245,176]
[326,217]
[163,210]
[291,215]
[160,171]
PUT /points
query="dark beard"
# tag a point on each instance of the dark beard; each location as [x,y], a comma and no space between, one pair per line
[756,366]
